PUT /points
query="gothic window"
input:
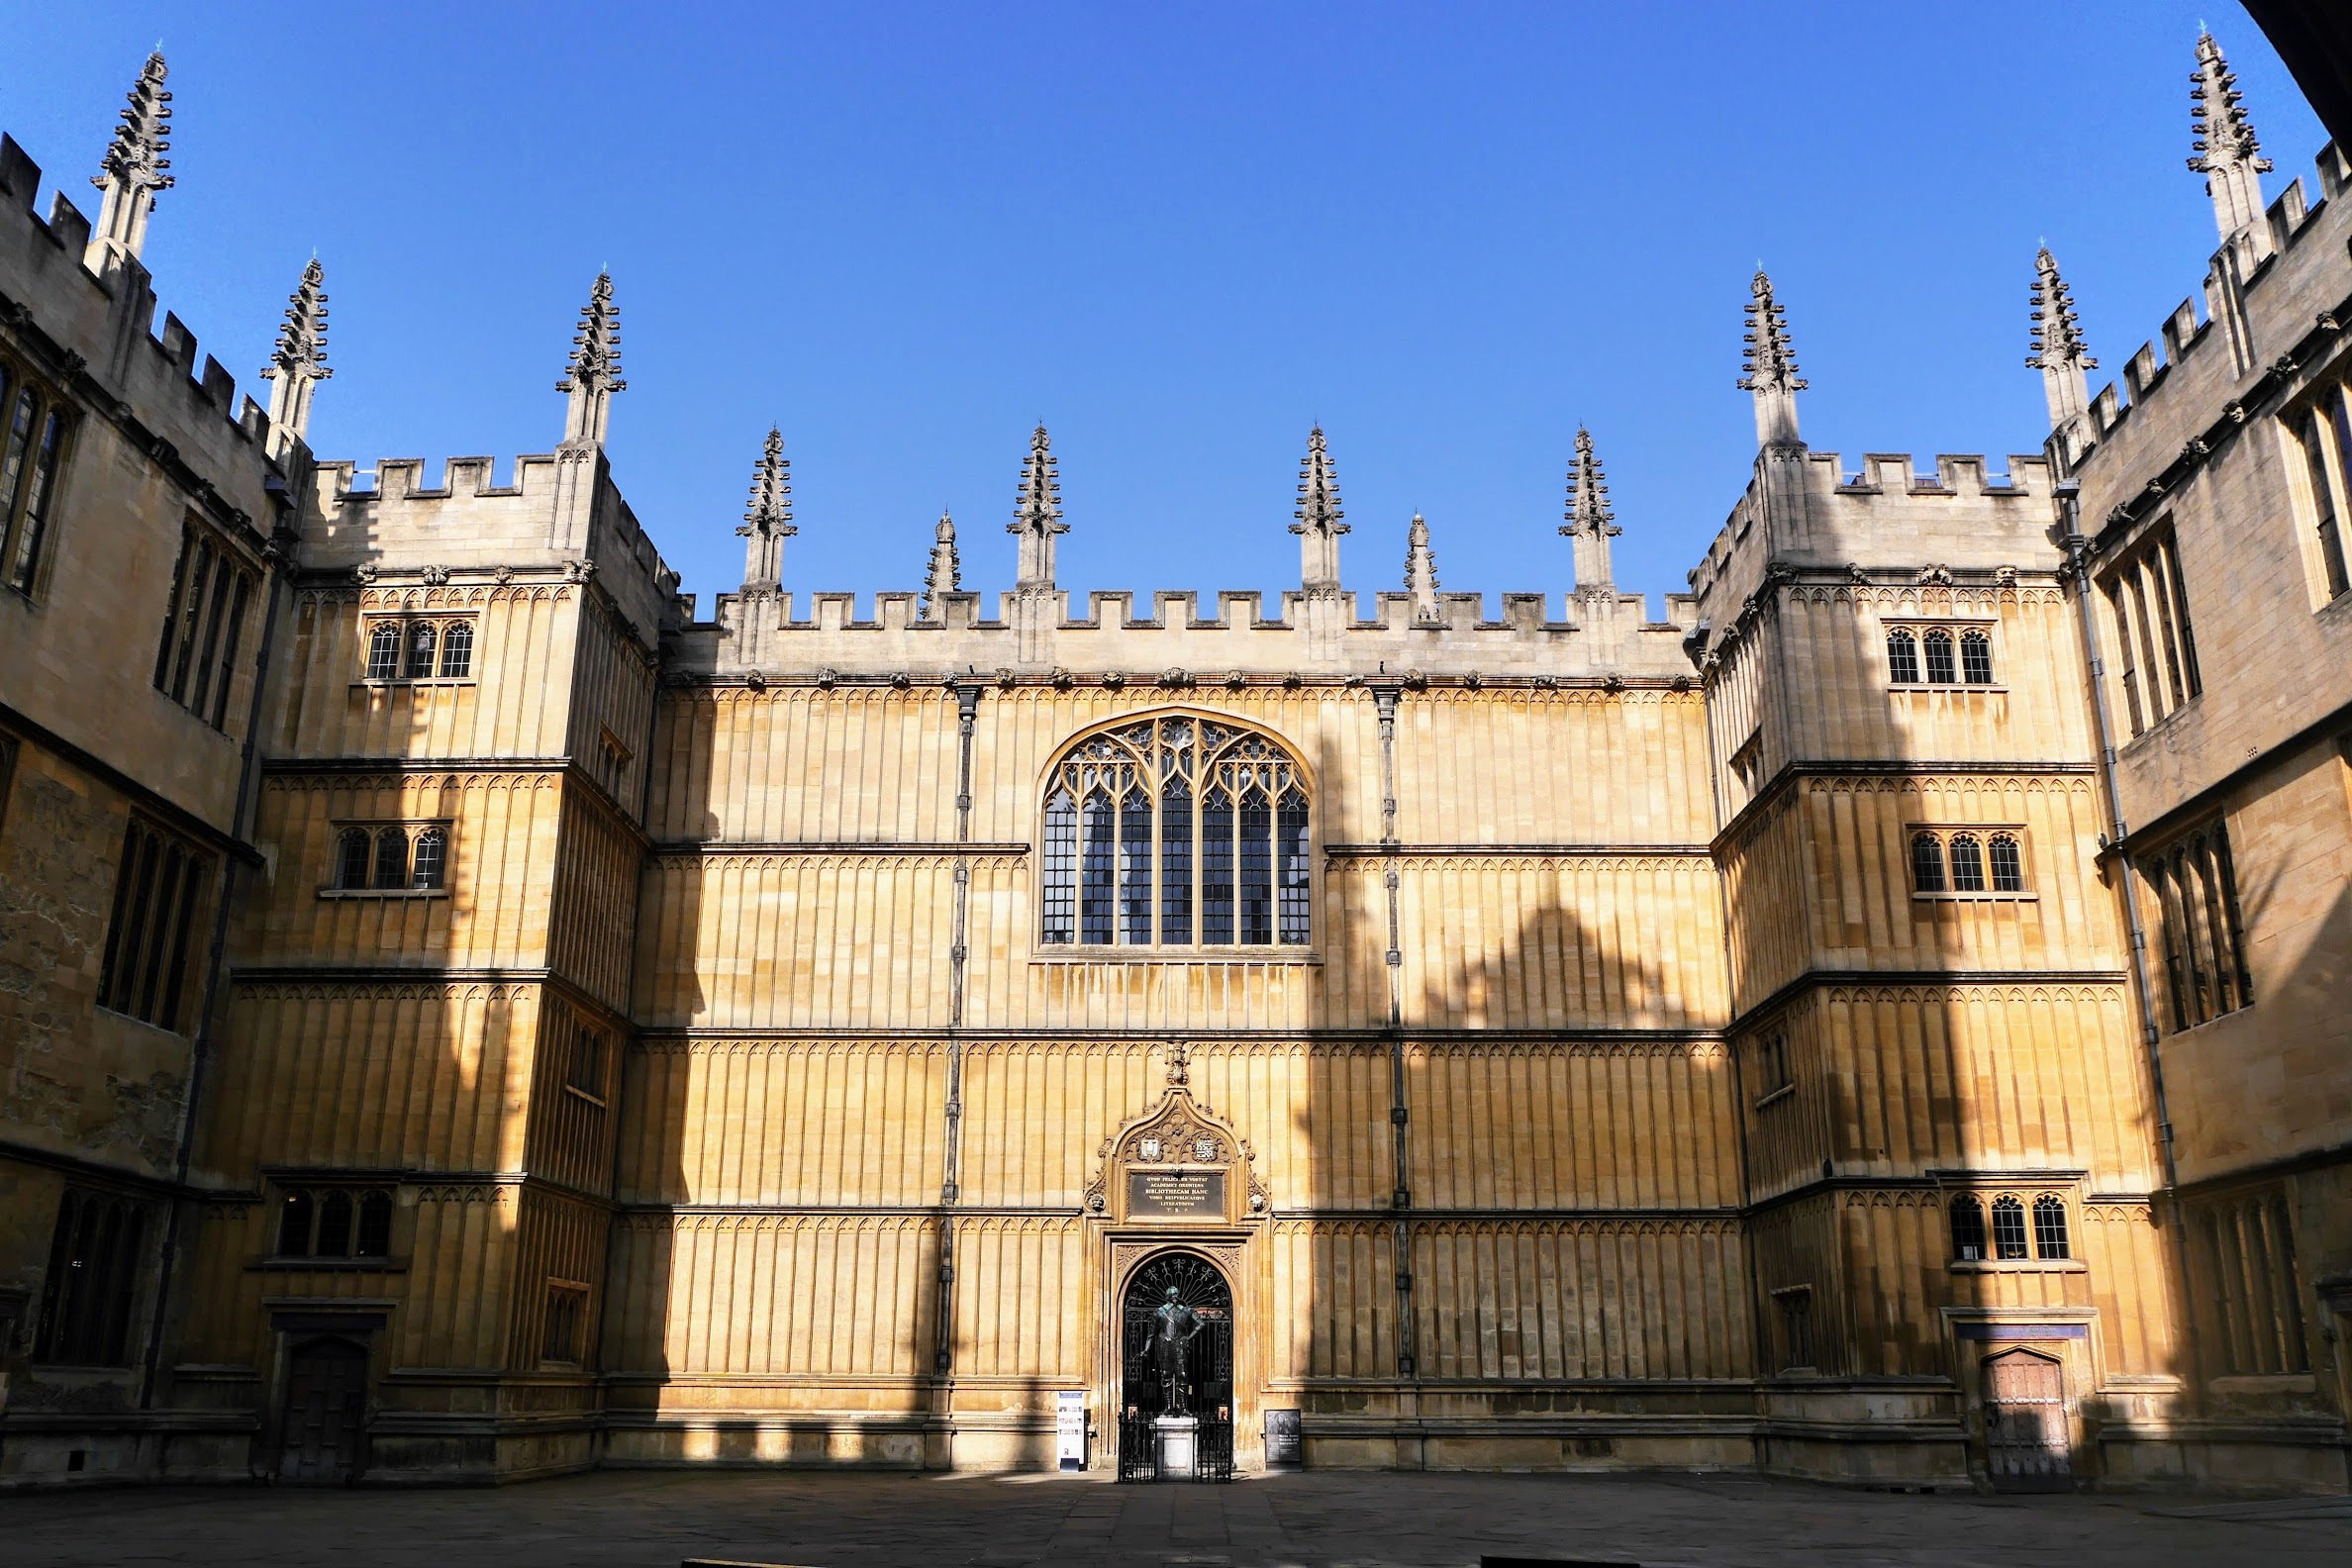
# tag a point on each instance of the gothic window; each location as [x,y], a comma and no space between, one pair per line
[354,847]
[1903,658]
[2009,864]
[427,864]
[2246,1291]
[2049,1227]
[1927,863]
[566,1320]
[456,654]
[2148,624]
[1968,865]
[393,858]
[421,639]
[2008,1228]
[1967,1228]
[1976,658]
[334,1222]
[383,652]
[1177,832]
[202,623]
[1797,1336]
[1772,1064]
[96,1254]
[2327,446]
[34,425]
[585,1064]
[1938,648]
[409,648]
[159,885]
[2194,887]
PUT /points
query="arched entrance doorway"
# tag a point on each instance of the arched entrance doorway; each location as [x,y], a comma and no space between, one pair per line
[1207,1359]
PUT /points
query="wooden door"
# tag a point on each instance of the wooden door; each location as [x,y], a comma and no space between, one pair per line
[325,1411]
[2026,1447]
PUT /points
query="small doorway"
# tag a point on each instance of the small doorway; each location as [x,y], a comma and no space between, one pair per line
[2026,1444]
[324,1420]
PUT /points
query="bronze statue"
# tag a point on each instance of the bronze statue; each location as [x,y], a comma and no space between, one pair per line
[1176,1326]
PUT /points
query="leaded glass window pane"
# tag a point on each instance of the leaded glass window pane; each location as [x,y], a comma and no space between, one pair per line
[1968,865]
[1940,670]
[2008,865]
[1061,869]
[1903,658]
[1135,868]
[1928,869]
[1217,869]
[1968,1229]
[2008,1228]
[1976,658]
[1095,832]
[2049,1227]
[1291,867]
[1176,867]
[1257,869]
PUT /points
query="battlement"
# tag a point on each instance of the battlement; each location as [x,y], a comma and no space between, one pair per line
[94,327]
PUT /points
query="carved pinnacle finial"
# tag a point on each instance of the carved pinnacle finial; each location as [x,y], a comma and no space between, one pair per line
[1318,523]
[1769,366]
[298,361]
[1592,521]
[1037,514]
[593,373]
[2057,342]
[134,166]
[946,568]
[2228,154]
[1420,571]
[1179,1058]
[768,519]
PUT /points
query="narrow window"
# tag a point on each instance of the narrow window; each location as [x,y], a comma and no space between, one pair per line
[2126,657]
[1976,658]
[1939,658]
[1797,1340]
[1903,658]
[432,852]
[34,522]
[374,1240]
[18,441]
[296,1215]
[586,1069]
[1061,869]
[1968,865]
[1292,878]
[2295,1354]
[351,858]
[2008,1227]
[214,614]
[2331,512]
[1927,866]
[383,652]
[2009,864]
[391,858]
[1176,868]
[96,1254]
[2049,1227]
[421,638]
[171,611]
[335,1224]
[2233,926]
[191,618]
[156,892]
[1217,868]
[567,1312]
[1257,867]
[231,638]
[1096,828]
[1967,1228]
[1134,867]
[457,656]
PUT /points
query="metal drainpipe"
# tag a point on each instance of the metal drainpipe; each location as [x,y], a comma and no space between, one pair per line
[967,711]
[1385,698]
[216,960]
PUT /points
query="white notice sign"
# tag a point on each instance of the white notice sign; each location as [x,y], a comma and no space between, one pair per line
[1069,1425]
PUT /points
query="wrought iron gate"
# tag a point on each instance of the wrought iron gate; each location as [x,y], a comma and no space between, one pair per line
[1208,1367]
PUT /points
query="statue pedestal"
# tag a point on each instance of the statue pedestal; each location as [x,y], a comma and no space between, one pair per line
[1175,1434]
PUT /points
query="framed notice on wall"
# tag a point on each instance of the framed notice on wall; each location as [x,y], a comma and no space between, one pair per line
[1070,1427]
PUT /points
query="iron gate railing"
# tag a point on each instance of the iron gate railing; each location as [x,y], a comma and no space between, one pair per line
[1138,1449]
[1213,1450]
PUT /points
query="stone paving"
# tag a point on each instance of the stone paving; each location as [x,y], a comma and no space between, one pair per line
[657,1519]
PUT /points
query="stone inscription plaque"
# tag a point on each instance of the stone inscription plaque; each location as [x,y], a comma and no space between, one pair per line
[1176,1194]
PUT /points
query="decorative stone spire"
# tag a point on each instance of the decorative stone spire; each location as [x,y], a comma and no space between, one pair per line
[2058,344]
[946,568]
[594,373]
[1036,517]
[133,170]
[2227,154]
[1592,524]
[1420,571]
[298,364]
[1770,366]
[767,521]
[1318,527]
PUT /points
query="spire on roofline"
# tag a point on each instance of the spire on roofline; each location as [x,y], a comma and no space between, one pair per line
[2057,343]
[593,373]
[767,520]
[134,168]
[2227,154]
[298,360]
[946,576]
[1036,516]
[1592,521]
[1769,367]
[1420,571]
[1318,523]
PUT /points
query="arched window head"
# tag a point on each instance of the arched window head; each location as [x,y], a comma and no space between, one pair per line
[430,862]
[2008,1227]
[1176,831]
[383,652]
[1940,669]
[1967,1228]
[2049,1227]
[1968,865]
[391,858]
[1976,658]
[1927,865]
[2009,863]
[456,654]
[351,857]
[421,640]
[1903,658]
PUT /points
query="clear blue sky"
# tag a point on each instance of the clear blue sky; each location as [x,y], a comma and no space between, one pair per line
[1179,234]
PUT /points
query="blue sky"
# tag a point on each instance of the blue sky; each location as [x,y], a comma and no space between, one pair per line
[1179,234]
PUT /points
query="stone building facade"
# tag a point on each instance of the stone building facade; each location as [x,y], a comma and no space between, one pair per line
[1883,1022]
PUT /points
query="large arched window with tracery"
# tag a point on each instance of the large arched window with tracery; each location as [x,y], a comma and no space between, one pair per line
[1176,831]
